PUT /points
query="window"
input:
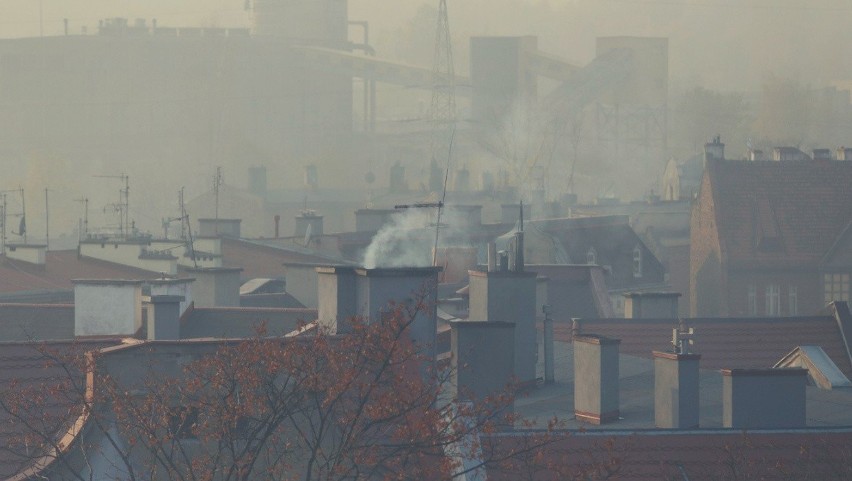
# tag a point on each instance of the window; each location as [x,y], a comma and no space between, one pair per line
[752,300]
[637,262]
[836,287]
[592,256]
[773,300]
[793,300]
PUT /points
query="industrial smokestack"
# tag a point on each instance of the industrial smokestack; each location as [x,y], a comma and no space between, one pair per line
[277,226]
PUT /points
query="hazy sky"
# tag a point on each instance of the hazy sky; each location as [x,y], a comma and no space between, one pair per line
[726,44]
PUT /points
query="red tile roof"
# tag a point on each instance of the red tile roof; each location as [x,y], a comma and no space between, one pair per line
[724,343]
[60,267]
[262,261]
[694,455]
[802,206]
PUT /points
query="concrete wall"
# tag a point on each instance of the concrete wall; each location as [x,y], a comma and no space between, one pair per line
[128,254]
[302,283]
[509,297]
[651,305]
[107,307]
[764,398]
[676,390]
[34,254]
[216,287]
[482,358]
[208,252]
[219,228]
[596,396]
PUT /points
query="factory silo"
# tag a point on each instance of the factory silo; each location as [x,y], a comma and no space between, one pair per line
[312,22]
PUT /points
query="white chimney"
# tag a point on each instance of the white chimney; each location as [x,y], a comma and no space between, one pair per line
[31,253]
[110,307]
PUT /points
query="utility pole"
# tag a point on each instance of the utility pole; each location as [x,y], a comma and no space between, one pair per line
[23,225]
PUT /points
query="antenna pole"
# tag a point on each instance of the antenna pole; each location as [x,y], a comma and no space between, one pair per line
[443,198]
[24,214]
[217,182]
[46,222]
[4,225]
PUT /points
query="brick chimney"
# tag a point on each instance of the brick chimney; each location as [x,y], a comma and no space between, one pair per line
[764,398]
[596,397]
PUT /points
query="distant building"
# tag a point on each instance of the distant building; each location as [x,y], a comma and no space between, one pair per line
[771,238]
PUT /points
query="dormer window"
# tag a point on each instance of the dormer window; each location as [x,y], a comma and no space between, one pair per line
[592,256]
[637,262]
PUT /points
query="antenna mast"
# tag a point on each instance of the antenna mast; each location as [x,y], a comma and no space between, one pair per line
[123,206]
[217,182]
[442,113]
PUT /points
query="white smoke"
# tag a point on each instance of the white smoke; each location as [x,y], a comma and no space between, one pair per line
[408,240]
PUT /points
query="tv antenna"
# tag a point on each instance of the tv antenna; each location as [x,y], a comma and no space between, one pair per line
[22,225]
[123,205]
[84,222]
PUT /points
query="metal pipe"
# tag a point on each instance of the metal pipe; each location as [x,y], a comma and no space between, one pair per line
[549,376]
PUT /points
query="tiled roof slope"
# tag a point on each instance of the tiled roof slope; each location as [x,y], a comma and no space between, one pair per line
[723,343]
[60,267]
[805,203]
[239,322]
[705,455]
[26,322]
[261,261]
[31,364]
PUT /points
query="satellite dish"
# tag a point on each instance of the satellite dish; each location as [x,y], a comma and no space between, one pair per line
[308,235]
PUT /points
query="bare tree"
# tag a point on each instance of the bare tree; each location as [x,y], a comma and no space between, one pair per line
[366,405]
